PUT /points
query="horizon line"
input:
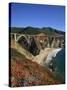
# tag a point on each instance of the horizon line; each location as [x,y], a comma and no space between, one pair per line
[36,27]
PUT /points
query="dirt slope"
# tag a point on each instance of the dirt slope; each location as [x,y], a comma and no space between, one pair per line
[25,72]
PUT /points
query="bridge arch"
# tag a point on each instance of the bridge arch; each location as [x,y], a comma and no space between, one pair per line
[24,41]
[20,37]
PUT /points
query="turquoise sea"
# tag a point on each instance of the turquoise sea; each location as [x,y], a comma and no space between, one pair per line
[58,64]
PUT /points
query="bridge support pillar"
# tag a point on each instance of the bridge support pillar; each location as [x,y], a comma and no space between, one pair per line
[62,43]
[48,44]
[15,37]
[57,43]
[53,43]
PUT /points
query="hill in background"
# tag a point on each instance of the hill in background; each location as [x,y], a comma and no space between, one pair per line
[33,30]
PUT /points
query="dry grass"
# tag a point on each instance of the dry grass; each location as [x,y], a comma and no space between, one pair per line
[24,72]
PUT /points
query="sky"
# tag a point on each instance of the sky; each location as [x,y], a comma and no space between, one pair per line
[37,15]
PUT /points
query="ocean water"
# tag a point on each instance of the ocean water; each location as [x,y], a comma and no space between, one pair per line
[59,61]
[56,62]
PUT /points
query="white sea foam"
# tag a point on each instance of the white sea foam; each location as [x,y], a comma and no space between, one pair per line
[42,55]
[52,54]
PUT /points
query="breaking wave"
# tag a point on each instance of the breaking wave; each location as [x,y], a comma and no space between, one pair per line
[52,54]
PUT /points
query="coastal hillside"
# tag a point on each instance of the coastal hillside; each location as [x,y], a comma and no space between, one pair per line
[25,72]
[33,30]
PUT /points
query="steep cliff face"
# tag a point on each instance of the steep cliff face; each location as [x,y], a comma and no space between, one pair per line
[25,72]
[28,70]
